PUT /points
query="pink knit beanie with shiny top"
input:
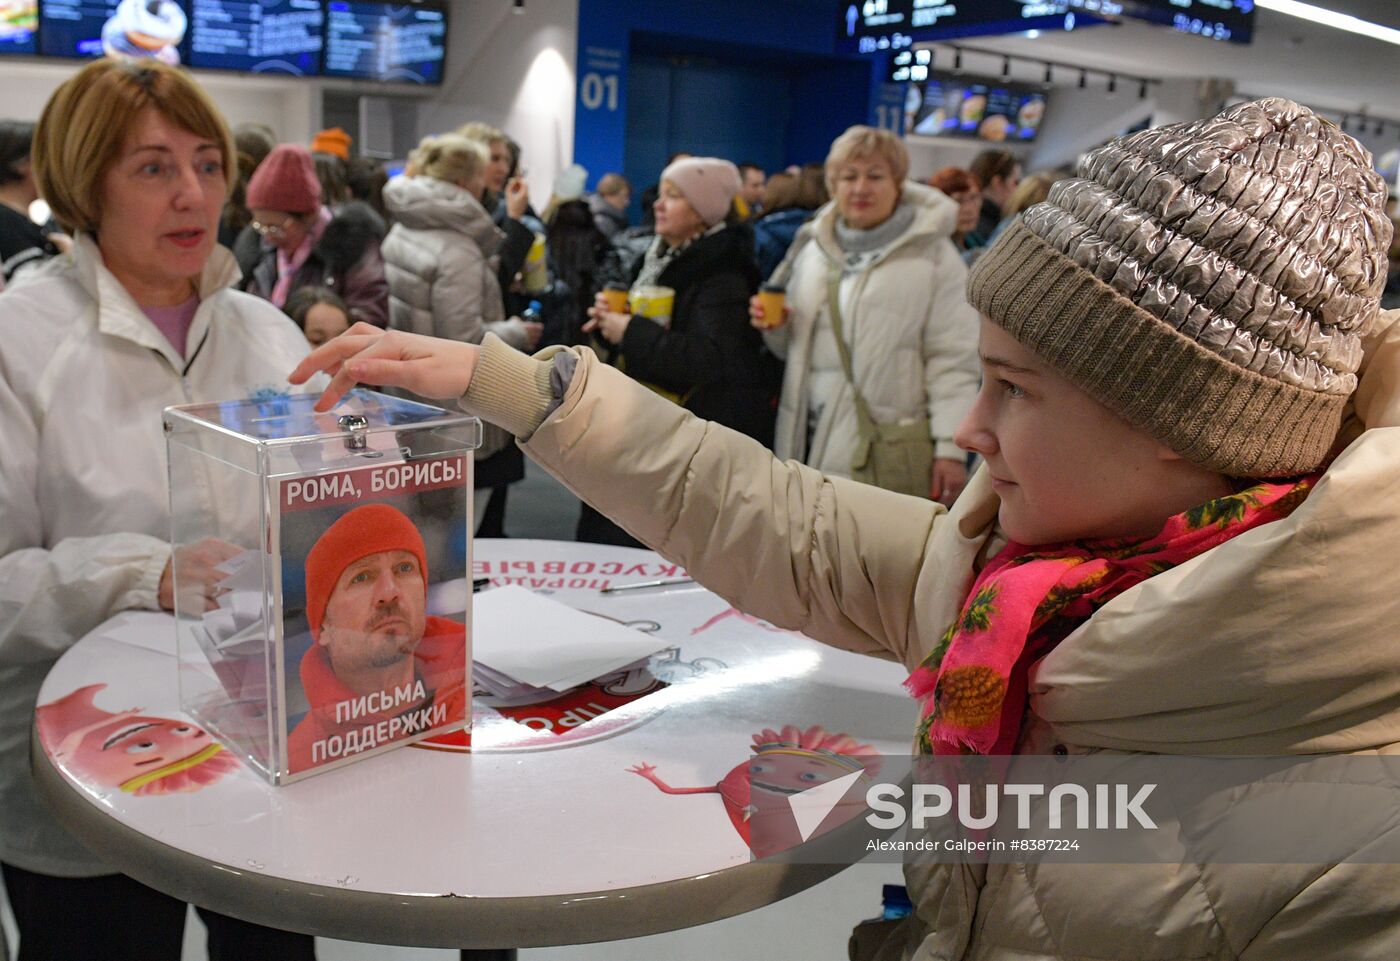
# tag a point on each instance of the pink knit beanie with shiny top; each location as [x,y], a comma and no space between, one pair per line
[707,183]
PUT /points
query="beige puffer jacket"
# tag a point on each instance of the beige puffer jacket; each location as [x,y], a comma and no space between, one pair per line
[1280,641]
[442,276]
[912,335]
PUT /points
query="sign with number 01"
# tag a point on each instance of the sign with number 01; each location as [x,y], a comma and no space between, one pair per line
[597,89]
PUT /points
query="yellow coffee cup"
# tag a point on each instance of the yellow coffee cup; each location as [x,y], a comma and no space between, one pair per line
[772,298]
[616,296]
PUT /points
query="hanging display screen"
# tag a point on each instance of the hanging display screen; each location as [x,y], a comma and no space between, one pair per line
[974,107]
[119,28]
[388,42]
[19,26]
[398,43]
[271,36]
[870,26]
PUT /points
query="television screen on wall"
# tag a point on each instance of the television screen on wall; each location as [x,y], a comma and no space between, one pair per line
[387,42]
[262,36]
[974,107]
[19,25]
[131,28]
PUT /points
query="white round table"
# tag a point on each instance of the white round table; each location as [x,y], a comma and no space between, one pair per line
[540,834]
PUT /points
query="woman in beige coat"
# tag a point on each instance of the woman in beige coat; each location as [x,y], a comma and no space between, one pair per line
[912,337]
[1154,334]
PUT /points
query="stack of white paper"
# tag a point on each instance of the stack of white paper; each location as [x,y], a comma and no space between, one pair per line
[523,642]
[238,617]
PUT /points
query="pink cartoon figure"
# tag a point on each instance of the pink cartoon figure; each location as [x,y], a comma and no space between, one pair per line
[134,752]
[784,763]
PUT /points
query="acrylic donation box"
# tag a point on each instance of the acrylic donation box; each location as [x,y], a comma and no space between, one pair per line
[321,582]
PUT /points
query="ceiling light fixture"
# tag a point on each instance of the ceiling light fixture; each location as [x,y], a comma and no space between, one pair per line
[957,58]
[1083,79]
[518,6]
[1331,18]
[1005,67]
[1049,73]
[1142,90]
[1113,83]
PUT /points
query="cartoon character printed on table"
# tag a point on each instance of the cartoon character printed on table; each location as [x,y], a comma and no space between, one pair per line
[129,750]
[784,763]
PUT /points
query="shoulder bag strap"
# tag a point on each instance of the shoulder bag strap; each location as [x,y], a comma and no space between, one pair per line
[864,421]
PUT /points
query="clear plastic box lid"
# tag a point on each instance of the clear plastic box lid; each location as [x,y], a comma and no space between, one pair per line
[276,419]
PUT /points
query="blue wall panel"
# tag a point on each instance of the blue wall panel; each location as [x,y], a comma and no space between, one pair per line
[757,78]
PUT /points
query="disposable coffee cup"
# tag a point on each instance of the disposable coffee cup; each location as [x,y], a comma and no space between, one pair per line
[654,303]
[616,296]
[772,298]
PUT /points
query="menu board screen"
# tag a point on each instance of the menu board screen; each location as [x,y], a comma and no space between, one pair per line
[257,36]
[388,42]
[957,106]
[119,28]
[19,22]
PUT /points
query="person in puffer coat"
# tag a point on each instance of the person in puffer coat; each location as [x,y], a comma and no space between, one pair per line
[1190,421]
[440,261]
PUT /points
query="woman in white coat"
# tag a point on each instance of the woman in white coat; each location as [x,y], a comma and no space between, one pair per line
[133,159]
[911,336]
[440,258]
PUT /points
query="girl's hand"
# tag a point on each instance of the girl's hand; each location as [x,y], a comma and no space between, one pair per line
[364,354]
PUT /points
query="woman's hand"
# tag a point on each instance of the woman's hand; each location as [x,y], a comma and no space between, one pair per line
[759,318]
[364,354]
[949,478]
[517,198]
[199,575]
[610,324]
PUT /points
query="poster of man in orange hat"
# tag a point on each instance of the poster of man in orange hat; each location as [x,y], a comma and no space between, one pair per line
[379,669]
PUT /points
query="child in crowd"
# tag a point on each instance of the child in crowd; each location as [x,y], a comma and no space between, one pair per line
[1188,419]
[319,312]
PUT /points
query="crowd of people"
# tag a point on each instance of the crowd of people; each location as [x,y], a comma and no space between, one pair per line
[830,313]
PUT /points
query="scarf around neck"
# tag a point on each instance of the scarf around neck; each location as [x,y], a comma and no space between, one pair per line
[973,684]
[289,264]
[862,246]
[660,254]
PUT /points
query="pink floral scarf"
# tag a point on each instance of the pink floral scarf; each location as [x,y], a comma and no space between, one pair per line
[1025,601]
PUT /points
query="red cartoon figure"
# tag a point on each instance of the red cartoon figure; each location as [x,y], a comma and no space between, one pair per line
[785,763]
[129,750]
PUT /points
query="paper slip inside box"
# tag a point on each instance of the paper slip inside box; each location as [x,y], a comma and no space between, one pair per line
[536,641]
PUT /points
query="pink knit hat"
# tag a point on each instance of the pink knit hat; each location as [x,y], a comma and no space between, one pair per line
[708,183]
[285,181]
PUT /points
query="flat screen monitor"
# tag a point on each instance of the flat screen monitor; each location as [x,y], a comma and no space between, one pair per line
[130,28]
[257,36]
[980,108]
[19,24]
[388,42]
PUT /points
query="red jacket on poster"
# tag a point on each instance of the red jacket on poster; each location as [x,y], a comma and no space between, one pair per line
[439,663]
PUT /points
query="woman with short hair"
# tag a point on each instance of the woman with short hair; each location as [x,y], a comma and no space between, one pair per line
[962,188]
[884,247]
[141,314]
